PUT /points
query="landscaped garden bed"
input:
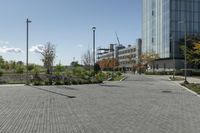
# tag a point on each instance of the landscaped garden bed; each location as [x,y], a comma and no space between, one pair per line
[193,86]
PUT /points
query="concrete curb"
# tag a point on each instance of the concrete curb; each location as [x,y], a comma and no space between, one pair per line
[10,85]
[123,78]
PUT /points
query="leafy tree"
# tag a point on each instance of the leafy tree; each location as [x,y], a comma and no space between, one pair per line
[148,58]
[108,64]
[112,63]
[48,53]
[192,49]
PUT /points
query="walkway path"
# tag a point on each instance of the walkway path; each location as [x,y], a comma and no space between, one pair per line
[140,104]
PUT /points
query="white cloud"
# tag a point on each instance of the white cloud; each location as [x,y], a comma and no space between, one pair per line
[37,48]
[5,49]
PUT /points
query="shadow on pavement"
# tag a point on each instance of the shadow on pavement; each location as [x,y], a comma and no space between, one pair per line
[53,92]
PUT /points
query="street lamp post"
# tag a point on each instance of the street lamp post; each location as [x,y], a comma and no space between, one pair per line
[27,31]
[114,58]
[185,52]
[94,28]
[173,43]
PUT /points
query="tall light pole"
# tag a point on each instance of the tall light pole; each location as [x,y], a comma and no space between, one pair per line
[27,29]
[94,29]
[114,56]
[185,51]
[173,43]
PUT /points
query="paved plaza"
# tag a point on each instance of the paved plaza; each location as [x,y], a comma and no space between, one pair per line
[140,104]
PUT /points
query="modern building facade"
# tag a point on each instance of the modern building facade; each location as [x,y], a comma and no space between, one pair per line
[125,56]
[165,22]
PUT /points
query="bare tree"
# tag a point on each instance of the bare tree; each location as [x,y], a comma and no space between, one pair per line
[48,53]
[87,58]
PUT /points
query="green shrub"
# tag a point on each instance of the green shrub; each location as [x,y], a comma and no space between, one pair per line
[36,78]
[57,78]
[19,69]
[74,82]
[1,72]
[79,81]
[68,73]
[118,73]
[59,68]
[97,68]
[37,83]
[85,81]
[86,77]
[195,73]
[95,81]
[59,83]
[46,82]
[101,76]
[67,82]
[30,67]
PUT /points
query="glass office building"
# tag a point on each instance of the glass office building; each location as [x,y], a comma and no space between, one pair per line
[165,21]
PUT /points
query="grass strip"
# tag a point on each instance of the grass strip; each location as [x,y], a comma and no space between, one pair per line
[193,86]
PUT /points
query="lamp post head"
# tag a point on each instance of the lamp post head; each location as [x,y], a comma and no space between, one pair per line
[93,28]
[28,21]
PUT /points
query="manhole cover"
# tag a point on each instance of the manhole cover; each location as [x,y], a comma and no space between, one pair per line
[71,96]
[166,91]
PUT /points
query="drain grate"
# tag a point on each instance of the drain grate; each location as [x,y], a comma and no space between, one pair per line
[166,91]
[71,96]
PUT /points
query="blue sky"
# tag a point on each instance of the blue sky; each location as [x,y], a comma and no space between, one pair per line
[67,24]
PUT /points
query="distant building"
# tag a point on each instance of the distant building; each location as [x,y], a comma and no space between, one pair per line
[164,23]
[20,62]
[125,56]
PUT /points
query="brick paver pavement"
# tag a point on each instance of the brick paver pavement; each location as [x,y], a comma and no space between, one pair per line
[140,104]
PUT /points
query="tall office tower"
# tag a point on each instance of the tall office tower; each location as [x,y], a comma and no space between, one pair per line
[164,24]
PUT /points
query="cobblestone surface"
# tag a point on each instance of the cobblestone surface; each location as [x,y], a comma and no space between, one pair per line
[140,104]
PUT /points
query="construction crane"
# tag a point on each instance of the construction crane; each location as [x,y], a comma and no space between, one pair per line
[117,39]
